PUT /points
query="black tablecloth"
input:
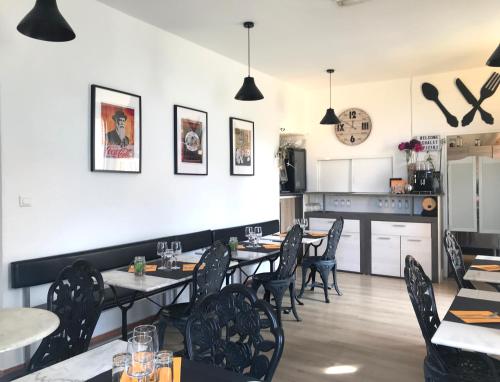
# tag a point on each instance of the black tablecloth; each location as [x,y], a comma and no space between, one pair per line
[175,274]
[193,372]
[464,303]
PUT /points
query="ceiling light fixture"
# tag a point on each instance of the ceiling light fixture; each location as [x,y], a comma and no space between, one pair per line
[45,22]
[330,118]
[249,91]
[494,59]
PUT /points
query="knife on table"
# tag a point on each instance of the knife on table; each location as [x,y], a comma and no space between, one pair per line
[469,97]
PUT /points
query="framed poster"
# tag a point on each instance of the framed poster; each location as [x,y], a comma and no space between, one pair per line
[242,147]
[190,141]
[115,130]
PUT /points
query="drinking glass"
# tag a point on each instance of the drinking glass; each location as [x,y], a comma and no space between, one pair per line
[139,265]
[160,251]
[141,363]
[168,258]
[177,248]
[233,243]
[258,234]
[164,366]
[304,223]
[120,362]
[249,233]
[148,330]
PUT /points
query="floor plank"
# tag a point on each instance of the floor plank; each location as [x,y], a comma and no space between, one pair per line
[372,328]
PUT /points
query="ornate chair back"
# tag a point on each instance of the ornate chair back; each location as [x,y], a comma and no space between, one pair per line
[289,251]
[235,330]
[455,257]
[76,297]
[422,298]
[209,273]
[333,239]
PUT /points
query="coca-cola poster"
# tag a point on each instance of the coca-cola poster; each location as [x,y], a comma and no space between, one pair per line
[242,146]
[190,141]
[116,130]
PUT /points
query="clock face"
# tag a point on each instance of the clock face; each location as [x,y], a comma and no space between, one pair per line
[354,128]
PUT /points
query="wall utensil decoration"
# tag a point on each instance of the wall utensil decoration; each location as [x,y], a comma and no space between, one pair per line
[471,99]
[432,94]
[487,90]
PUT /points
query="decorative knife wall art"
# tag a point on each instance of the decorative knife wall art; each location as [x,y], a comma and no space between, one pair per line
[489,88]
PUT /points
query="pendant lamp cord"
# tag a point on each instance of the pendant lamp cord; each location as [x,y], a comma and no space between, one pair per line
[248,52]
[330,90]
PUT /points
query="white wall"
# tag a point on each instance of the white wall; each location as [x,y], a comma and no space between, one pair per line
[389,105]
[45,138]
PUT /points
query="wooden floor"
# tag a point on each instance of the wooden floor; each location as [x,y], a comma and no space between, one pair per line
[368,334]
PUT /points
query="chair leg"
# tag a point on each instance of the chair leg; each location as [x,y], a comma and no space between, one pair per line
[313,278]
[334,272]
[278,299]
[304,274]
[292,298]
[324,278]
[161,327]
[267,296]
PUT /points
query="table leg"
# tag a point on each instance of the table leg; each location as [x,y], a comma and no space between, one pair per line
[124,310]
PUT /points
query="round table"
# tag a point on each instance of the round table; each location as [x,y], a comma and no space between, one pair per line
[23,326]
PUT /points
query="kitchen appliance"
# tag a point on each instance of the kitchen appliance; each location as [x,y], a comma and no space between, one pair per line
[423,181]
[295,165]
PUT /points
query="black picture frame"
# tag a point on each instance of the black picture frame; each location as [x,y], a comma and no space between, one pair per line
[235,168]
[181,168]
[117,99]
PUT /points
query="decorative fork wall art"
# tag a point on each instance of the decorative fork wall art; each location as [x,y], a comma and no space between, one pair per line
[489,88]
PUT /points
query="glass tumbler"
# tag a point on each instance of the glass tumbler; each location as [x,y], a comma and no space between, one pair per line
[164,369]
[139,265]
[120,362]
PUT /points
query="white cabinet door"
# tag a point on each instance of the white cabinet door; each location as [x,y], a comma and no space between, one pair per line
[489,206]
[348,253]
[386,252]
[462,209]
[421,249]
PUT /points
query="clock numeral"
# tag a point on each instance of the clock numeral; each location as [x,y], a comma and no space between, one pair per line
[340,127]
[365,126]
[352,139]
[352,114]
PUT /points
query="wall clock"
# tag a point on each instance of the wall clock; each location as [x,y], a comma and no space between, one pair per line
[354,128]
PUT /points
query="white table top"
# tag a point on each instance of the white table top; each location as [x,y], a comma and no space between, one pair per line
[81,367]
[304,240]
[467,336]
[484,276]
[149,283]
[23,326]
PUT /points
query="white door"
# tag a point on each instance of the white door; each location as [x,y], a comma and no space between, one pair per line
[462,209]
[489,203]
[386,251]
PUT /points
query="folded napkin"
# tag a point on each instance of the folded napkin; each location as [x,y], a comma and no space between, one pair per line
[148,268]
[271,246]
[241,246]
[177,369]
[487,267]
[317,233]
[164,375]
[477,316]
[189,267]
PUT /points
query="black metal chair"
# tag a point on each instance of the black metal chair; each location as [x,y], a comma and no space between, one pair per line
[235,330]
[324,264]
[442,363]
[276,283]
[208,276]
[76,297]
[456,260]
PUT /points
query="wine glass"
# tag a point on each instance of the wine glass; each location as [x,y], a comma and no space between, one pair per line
[141,363]
[168,256]
[249,234]
[177,248]
[160,251]
[148,330]
[258,234]
[304,223]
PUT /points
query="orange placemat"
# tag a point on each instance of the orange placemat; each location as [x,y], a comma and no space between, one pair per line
[163,374]
[189,267]
[317,233]
[149,268]
[271,246]
[476,316]
[487,267]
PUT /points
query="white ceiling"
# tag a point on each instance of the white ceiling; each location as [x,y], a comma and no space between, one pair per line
[365,40]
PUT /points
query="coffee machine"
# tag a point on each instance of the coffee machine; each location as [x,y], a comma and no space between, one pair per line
[424,181]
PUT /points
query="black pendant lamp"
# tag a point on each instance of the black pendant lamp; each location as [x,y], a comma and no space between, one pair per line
[494,60]
[330,118]
[45,22]
[249,91]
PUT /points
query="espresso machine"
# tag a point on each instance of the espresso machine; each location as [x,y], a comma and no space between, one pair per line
[424,181]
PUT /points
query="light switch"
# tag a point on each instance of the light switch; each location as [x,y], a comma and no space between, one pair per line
[24,201]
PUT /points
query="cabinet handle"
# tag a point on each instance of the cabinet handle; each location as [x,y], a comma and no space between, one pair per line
[399,225]
[383,238]
[414,240]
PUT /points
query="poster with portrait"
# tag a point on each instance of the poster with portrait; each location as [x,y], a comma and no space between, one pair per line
[190,141]
[242,150]
[115,130]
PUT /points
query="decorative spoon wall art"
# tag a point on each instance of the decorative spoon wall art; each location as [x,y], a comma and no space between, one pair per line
[432,94]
